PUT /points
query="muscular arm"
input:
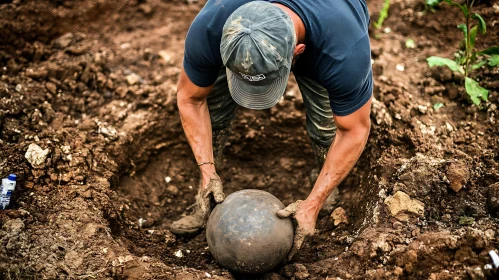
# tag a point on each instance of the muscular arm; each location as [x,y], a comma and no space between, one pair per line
[351,137]
[195,117]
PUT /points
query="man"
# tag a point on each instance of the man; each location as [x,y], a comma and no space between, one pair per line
[240,52]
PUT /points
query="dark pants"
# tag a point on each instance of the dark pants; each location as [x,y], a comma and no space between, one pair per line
[320,122]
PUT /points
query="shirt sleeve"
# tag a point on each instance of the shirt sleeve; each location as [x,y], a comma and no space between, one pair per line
[200,63]
[350,83]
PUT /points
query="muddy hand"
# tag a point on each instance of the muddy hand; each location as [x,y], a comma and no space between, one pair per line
[304,224]
[214,188]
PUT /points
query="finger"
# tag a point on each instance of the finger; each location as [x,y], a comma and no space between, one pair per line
[298,242]
[288,211]
[218,193]
[284,213]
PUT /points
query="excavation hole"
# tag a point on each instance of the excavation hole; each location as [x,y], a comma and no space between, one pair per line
[266,150]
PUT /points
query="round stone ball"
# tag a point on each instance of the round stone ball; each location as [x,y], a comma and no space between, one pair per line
[245,235]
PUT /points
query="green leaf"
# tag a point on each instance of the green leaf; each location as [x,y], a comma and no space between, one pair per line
[441,61]
[462,26]
[472,37]
[465,10]
[478,65]
[475,91]
[383,14]
[489,51]
[494,60]
[410,44]
[433,3]
[437,106]
[481,23]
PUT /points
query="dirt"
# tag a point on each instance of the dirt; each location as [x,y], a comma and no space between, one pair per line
[93,84]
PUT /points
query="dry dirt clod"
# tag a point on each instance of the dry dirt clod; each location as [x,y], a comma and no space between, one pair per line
[36,156]
[400,201]
[172,190]
[458,175]
[339,216]
[14,226]
[301,272]
[51,87]
[133,79]
[381,113]
[78,50]
[64,41]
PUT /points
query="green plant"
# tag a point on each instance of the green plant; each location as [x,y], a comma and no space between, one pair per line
[383,14]
[469,59]
[431,4]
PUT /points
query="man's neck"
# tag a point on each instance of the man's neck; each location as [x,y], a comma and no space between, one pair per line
[297,22]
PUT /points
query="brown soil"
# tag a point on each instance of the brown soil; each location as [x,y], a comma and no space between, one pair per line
[94,82]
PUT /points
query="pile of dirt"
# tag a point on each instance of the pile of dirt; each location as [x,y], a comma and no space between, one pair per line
[89,87]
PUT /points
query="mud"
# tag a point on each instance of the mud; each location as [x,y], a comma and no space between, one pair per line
[93,83]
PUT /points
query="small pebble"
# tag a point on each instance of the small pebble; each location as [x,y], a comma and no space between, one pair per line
[179,254]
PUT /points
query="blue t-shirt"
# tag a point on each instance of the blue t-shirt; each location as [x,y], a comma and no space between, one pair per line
[337,51]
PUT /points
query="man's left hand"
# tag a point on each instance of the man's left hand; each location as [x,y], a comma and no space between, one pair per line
[304,218]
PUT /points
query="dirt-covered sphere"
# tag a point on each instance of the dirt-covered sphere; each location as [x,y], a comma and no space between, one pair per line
[245,235]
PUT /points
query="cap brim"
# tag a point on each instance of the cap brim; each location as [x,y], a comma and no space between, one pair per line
[256,97]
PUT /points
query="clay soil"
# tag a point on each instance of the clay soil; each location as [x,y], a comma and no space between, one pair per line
[94,82]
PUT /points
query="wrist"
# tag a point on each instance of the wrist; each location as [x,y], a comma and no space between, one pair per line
[312,206]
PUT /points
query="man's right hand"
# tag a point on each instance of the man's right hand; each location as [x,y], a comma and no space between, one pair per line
[209,188]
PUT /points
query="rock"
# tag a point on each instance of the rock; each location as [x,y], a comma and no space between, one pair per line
[475,272]
[381,113]
[398,271]
[301,272]
[422,109]
[14,226]
[36,73]
[165,56]
[146,9]
[421,175]
[73,260]
[458,175]
[339,216]
[77,50]
[402,202]
[133,79]
[64,41]
[379,244]
[172,189]
[107,130]
[51,87]
[36,156]
[493,200]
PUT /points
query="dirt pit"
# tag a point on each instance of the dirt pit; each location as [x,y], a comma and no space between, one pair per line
[93,85]
[261,154]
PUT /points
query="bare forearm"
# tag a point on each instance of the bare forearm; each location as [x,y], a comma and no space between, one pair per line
[196,122]
[342,156]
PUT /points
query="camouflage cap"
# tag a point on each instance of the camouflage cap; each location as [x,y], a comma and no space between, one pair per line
[257,47]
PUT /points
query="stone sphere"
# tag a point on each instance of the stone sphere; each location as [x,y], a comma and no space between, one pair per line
[245,235]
